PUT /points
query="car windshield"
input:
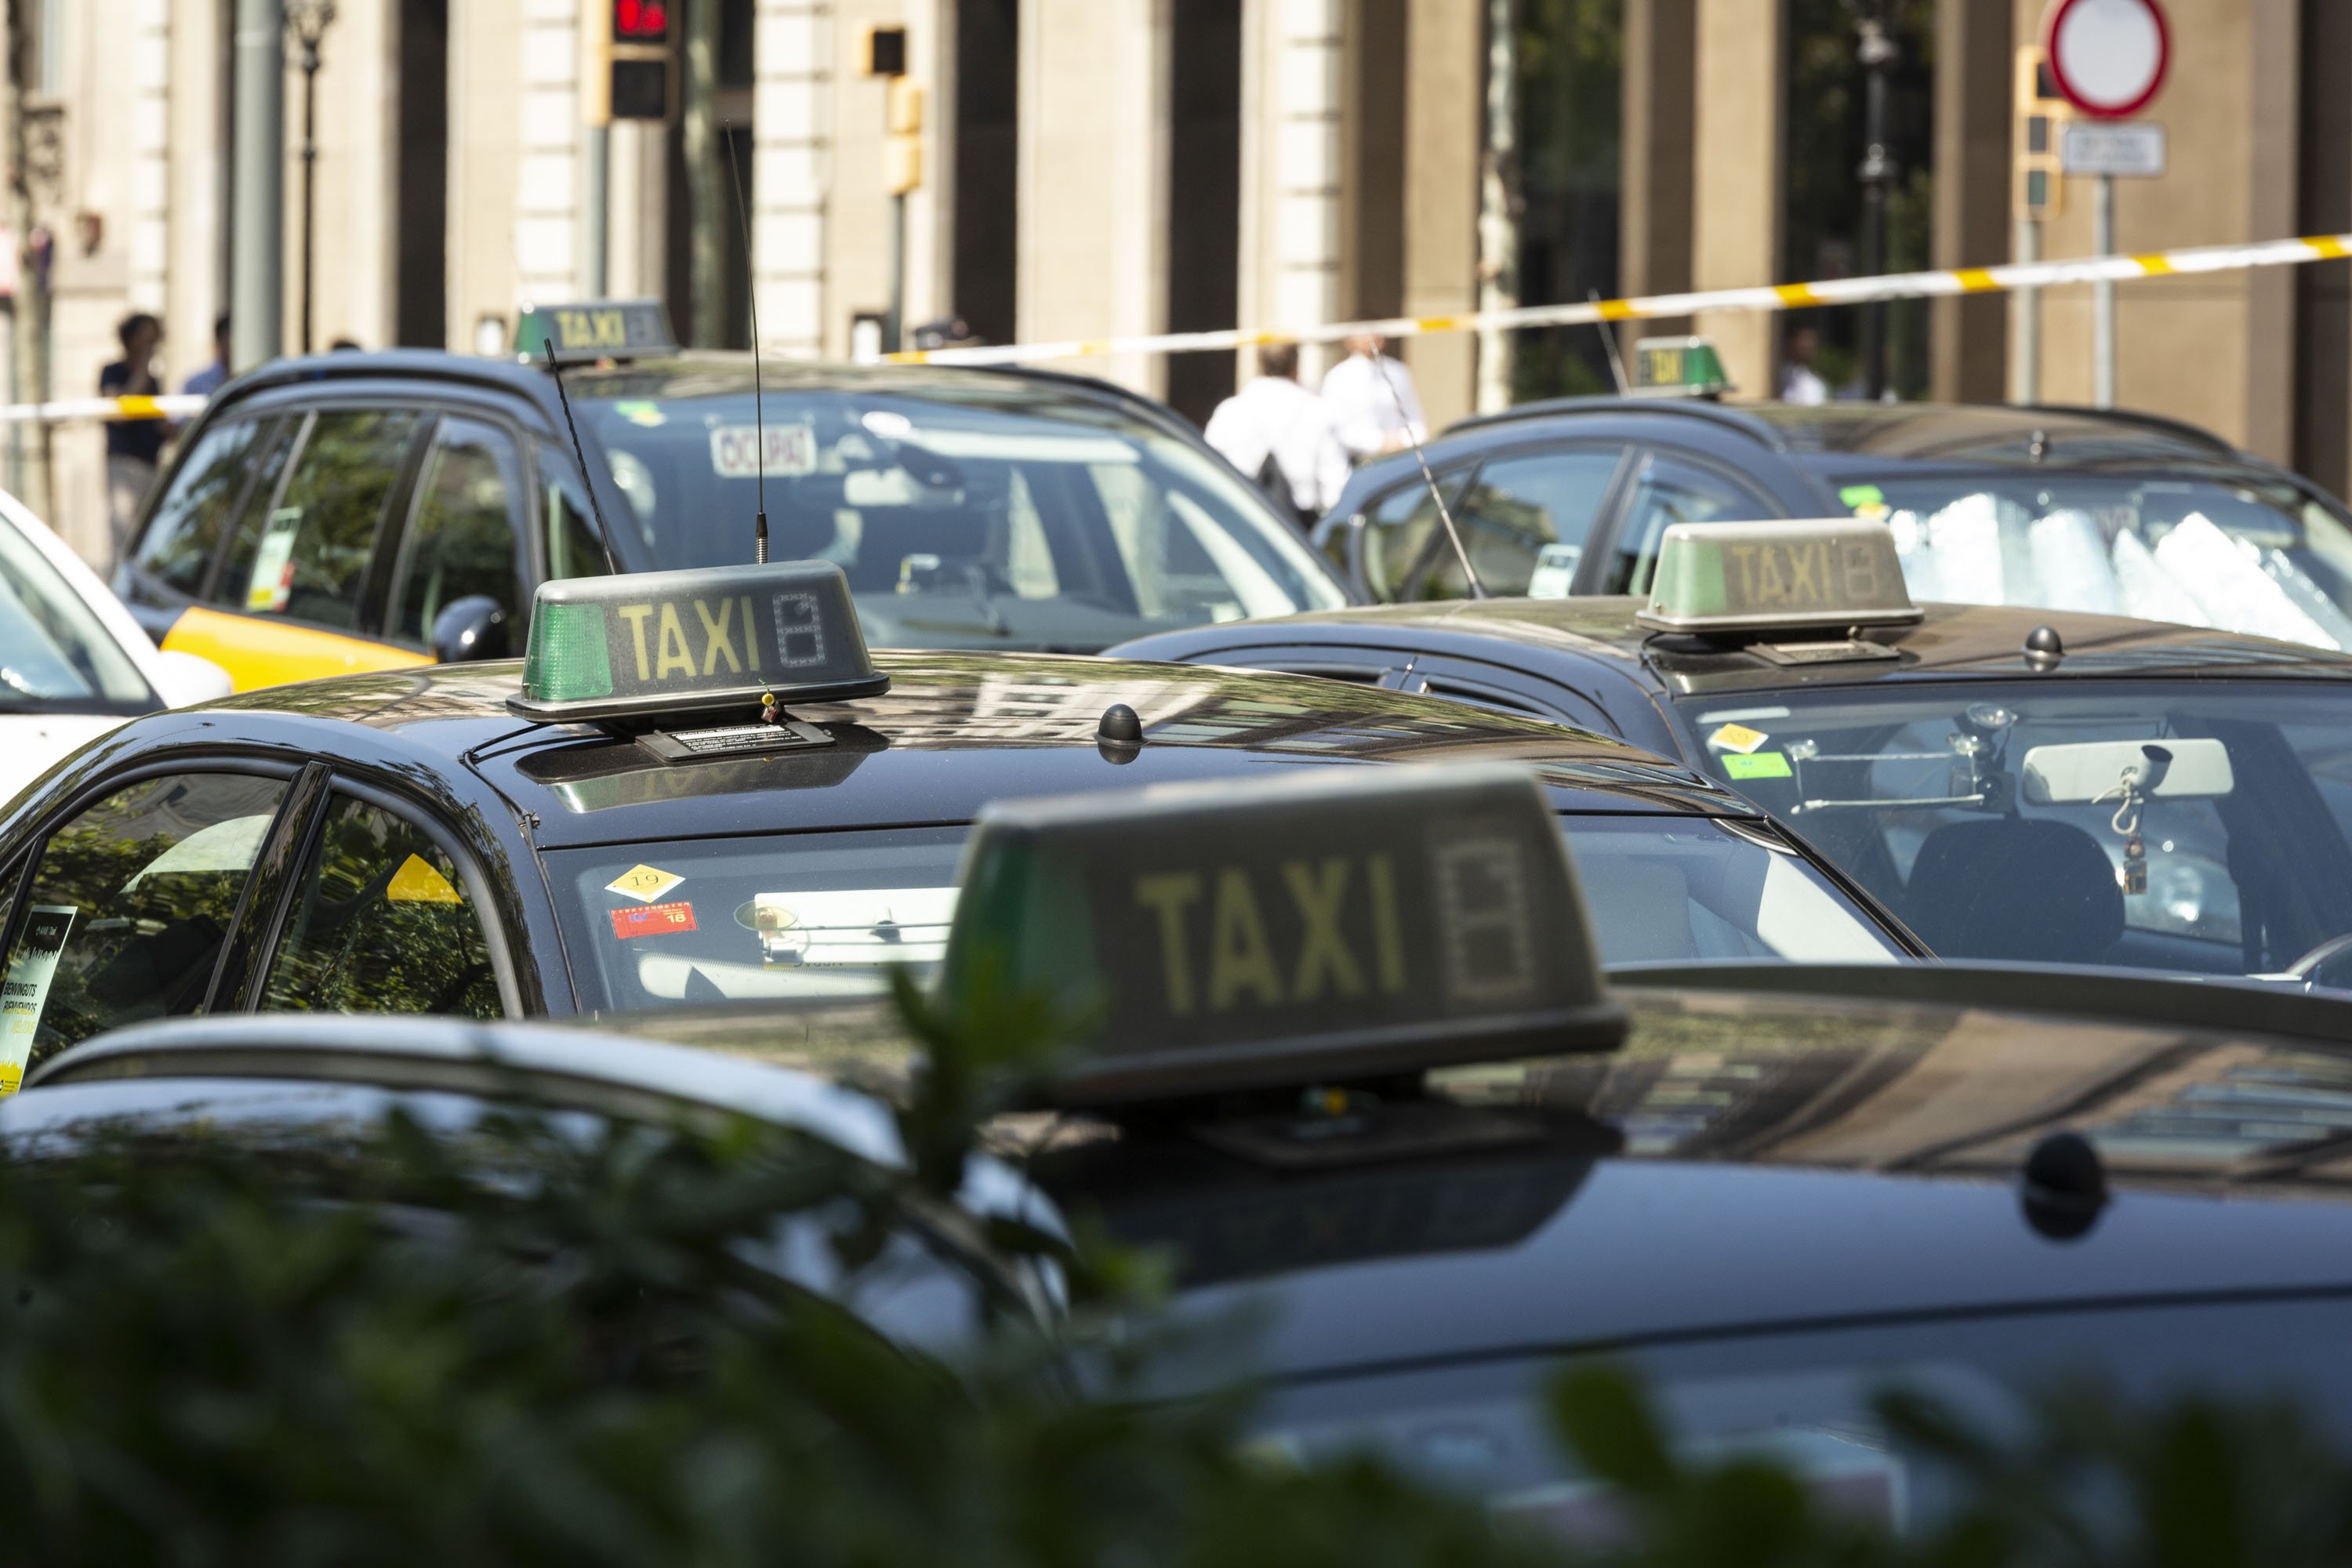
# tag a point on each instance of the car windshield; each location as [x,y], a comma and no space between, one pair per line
[1997,820]
[54,652]
[1007,519]
[2243,556]
[812,916]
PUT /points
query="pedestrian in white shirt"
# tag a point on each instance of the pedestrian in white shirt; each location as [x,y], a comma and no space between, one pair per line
[1374,404]
[1280,435]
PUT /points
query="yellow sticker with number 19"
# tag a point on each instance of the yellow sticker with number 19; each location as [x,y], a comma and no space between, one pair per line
[1736,738]
[644,883]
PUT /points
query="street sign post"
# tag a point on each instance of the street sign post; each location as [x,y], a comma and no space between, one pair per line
[2108,58]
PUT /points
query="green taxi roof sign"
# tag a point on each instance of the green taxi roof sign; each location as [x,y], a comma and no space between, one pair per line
[1301,931]
[661,644]
[1725,577]
[1678,367]
[596,329]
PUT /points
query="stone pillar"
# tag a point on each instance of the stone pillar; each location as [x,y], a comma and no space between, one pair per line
[1655,225]
[1091,258]
[1973,224]
[1445,90]
[791,109]
[2271,164]
[197,166]
[2323,447]
[484,162]
[1740,144]
[151,168]
[1302,113]
[547,192]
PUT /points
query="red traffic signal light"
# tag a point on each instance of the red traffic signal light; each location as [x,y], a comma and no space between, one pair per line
[641,21]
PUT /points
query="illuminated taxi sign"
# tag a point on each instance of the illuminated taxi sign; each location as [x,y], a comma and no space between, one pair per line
[604,328]
[667,643]
[1735,576]
[1300,930]
[1677,367]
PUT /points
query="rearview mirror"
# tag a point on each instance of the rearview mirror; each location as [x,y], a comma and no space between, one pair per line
[469,628]
[2090,770]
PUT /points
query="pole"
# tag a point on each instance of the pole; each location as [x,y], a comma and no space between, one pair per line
[598,219]
[2103,295]
[1875,52]
[2026,377]
[708,205]
[309,174]
[1498,205]
[29,355]
[894,325]
[257,139]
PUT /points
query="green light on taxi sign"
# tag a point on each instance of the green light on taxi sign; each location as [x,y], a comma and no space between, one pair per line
[1299,930]
[1737,577]
[1678,367]
[666,644]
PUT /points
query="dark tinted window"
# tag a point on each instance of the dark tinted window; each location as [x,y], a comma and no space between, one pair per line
[1404,536]
[462,538]
[383,926]
[185,533]
[128,909]
[1527,519]
[307,557]
[1669,491]
[573,546]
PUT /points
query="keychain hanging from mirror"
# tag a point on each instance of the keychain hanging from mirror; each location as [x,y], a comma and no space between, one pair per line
[2134,876]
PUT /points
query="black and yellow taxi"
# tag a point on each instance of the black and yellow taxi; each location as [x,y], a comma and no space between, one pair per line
[700,785]
[2016,784]
[364,511]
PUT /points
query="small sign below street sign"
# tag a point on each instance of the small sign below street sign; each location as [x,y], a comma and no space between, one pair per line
[2128,147]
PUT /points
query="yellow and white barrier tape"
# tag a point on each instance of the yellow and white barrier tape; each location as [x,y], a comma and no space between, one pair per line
[1776,297]
[176,406]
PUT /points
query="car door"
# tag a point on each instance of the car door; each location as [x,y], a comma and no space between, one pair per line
[464,535]
[1665,487]
[1507,690]
[301,585]
[170,566]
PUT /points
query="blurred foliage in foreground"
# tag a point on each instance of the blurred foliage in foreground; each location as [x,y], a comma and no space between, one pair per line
[532,1347]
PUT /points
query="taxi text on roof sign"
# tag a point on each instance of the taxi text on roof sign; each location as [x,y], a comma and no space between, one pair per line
[604,329]
[1288,931]
[660,644]
[1678,367]
[1747,576]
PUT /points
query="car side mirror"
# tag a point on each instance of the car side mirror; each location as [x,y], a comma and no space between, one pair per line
[183,679]
[470,628]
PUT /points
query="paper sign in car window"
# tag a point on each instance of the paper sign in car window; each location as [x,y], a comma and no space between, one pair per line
[272,583]
[1554,569]
[644,883]
[735,451]
[26,989]
[1736,738]
[416,882]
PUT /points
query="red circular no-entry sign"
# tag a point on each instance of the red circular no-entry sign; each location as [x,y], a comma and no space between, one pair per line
[2108,56]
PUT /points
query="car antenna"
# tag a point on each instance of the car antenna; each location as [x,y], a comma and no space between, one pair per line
[1469,573]
[758,419]
[1609,342]
[603,534]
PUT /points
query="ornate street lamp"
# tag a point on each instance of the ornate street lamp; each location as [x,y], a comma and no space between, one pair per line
[307,21]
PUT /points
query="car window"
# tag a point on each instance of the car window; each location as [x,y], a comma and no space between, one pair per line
[129,908]
[1669,491]
[1402,533]
[55,653]
[382,924]
[574,547]
[307,556]
[462,538]
[186,531]
[1526,520]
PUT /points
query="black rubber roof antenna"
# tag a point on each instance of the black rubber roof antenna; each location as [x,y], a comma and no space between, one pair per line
[604,535]
[751,296]
[1469,573]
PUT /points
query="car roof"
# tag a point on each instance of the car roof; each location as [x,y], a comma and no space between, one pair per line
[1016,724]
[1949,641]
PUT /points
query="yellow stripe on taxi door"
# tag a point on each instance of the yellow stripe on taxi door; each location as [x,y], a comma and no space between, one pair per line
[258,652]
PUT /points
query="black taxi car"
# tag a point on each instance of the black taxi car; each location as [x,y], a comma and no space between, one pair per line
[1966,764]
[360,511]
[634,818]
[2099,511]
[1342,1050]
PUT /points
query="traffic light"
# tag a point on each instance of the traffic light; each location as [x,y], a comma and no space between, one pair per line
[631,62]
[2041,117]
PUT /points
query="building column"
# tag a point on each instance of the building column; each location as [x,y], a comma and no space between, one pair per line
[1973,223]
[195,207]
[1091,258]
[1739,150]
[1654,222]
[1297,137]
[150,166]
[1444,95]
[791,106]
[2271,164]
[547,194]
[2323,328]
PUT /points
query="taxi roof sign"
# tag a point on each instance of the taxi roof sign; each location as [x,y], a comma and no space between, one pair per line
[663,643]
[1678,367]
[596,329]
[1719,577]
[1306,929]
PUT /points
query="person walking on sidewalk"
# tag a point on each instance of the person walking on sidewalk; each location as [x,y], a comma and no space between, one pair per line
[1280,434]
[134,447]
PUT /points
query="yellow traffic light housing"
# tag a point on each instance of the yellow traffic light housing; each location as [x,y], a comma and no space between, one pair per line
[2038,153]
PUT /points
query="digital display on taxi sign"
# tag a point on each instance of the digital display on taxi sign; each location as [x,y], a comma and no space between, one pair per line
[1736,577]
[1297,931]
[604,328]
[659,644]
